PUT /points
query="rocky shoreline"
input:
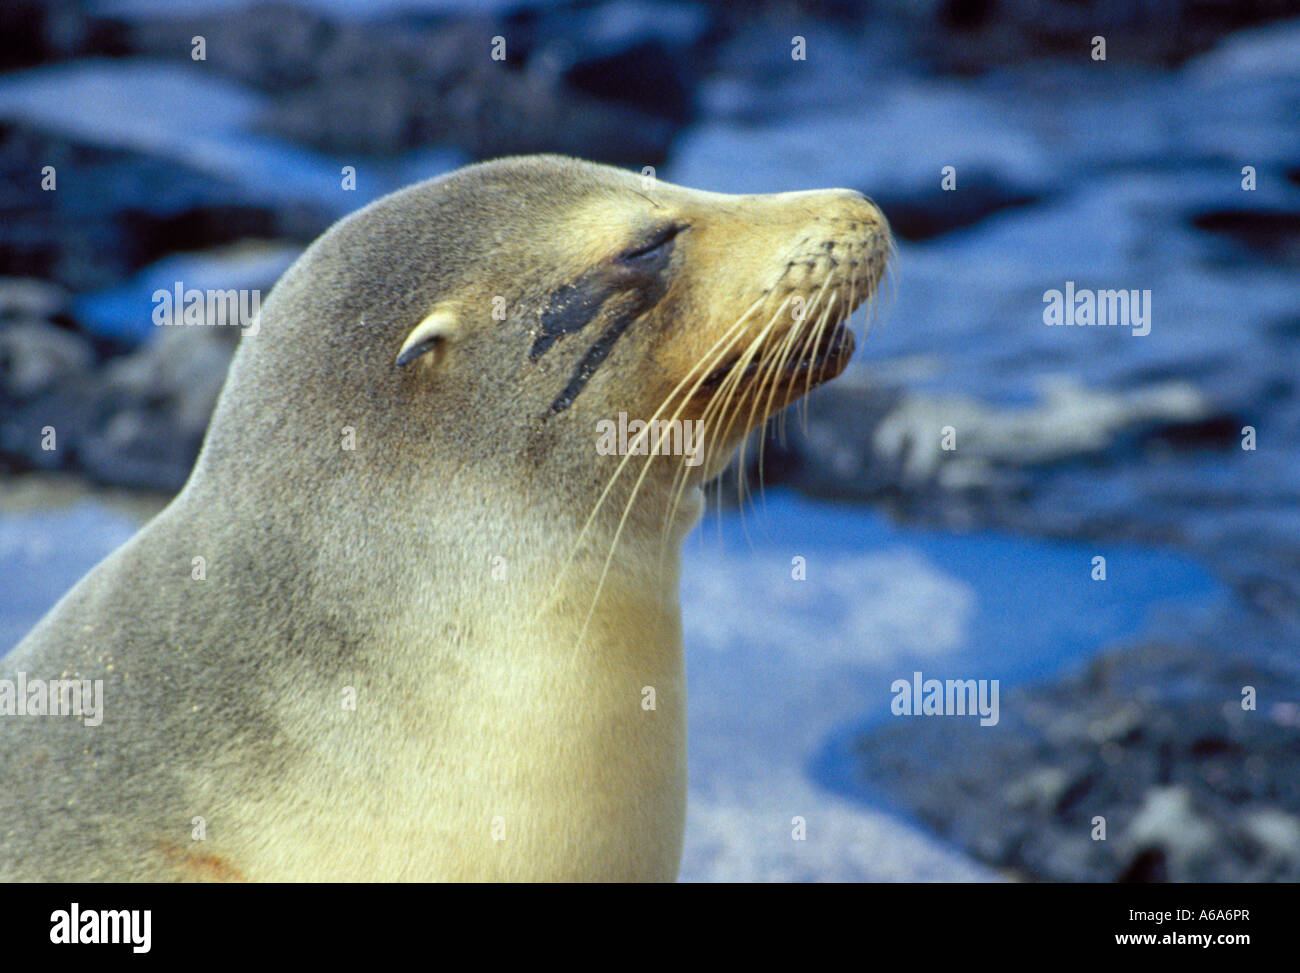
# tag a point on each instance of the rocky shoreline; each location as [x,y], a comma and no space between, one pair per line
[1154,741]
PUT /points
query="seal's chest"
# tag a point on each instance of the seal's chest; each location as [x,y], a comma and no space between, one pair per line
[508,767]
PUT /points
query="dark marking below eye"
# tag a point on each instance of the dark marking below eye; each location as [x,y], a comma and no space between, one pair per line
[571,309]
[602,346]
[639,273]
[596,354]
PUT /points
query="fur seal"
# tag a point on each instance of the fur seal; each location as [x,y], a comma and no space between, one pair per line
[405,620]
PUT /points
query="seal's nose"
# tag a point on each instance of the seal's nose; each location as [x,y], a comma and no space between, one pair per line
[839,205]
[852,197]
[865,210]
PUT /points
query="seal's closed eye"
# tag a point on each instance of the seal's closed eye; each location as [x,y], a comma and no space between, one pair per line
[654,248]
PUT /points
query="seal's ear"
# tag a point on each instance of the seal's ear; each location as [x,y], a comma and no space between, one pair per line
[428,334]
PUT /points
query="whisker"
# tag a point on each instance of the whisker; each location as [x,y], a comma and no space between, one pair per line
[794,336]
[703,367]
[609,485]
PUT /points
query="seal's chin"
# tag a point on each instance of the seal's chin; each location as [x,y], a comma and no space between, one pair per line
[795,376]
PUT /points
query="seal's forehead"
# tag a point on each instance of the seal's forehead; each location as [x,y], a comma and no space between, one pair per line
[596,230]
[596,210]
[547,182]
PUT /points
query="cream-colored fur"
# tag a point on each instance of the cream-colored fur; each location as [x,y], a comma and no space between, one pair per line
[417,658]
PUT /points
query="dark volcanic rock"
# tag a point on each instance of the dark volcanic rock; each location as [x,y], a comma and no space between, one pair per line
[971,34]
[1155,740]
[645,54]
[932,212]
[152,409]
[272,46]
[26,299]
[115,211]
[1275,234]
[385,86]
[868,443]
[492,114]
[134,420]
[34,355]
[40,31]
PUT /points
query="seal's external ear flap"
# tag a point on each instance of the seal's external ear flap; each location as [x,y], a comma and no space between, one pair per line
[428,334]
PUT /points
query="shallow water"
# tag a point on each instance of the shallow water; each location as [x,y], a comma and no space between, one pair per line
[784,673]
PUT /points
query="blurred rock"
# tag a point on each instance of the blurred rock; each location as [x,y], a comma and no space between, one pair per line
[20,299]
[153,408]
[861,442]
[491,115]
[645,54]
[971,34]
[1168,829]
[1275,235]
[124,314]
[931,212]
[45,374]
[1260,52]
[1154,740]
[890,143]
[388,85]
[274,46]
[115,211]
[135,420]
[38,31]
[35,354]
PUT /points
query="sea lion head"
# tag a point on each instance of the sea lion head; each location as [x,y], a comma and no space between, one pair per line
[508,312]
